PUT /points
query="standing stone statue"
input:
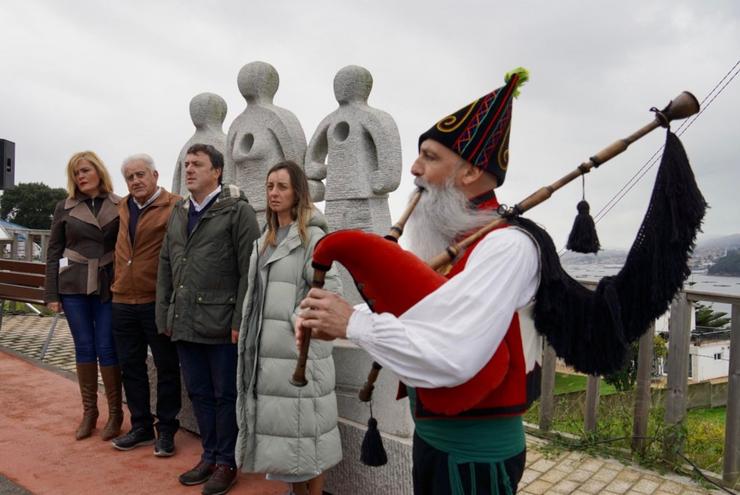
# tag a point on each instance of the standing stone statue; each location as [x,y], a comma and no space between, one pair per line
[357,149]
[263,135]
[208,111]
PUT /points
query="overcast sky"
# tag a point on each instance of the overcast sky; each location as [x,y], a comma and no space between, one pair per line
[117,78]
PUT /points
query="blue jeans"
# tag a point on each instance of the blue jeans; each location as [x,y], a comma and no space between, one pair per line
[90,323]
[209,371]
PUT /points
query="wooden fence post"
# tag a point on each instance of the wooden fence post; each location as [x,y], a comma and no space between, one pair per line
[642,390]
[731,467]
[592,403]
[547,388]
[679,339]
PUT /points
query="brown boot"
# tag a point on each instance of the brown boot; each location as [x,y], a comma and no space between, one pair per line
[87,376]
[112,381]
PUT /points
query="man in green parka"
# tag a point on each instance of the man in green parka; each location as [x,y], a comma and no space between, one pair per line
[202,280]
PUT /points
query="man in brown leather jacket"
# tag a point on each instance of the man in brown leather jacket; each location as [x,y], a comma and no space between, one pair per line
[144,214]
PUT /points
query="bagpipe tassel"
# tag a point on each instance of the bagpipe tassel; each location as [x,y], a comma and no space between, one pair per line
[372,452]
[583,237]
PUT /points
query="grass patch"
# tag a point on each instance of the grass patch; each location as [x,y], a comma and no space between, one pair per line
[704,429]
[566,383]
[716,415]
[705,438]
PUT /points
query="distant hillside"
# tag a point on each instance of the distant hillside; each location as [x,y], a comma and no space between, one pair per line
[710,247]
[717,243]
[727,265]
[605,256]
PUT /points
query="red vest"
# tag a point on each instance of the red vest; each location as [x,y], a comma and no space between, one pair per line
[503,387]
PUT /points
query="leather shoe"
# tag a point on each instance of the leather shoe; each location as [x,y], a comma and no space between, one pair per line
[199,474]
[165,445]
[221,481]
[134,438]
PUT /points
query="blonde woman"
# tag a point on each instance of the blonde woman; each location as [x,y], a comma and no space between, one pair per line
[79,273]
[290,433]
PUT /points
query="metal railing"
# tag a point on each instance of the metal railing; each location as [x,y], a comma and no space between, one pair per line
[22,242]
[676,396]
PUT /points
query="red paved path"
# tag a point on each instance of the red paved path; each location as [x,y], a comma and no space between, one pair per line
[39,411]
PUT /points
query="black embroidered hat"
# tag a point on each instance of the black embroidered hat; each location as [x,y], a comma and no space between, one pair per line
[479,132]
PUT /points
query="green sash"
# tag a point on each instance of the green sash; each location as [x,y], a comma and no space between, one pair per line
[467,441]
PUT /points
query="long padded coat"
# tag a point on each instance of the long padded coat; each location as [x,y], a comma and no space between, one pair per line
[284,429]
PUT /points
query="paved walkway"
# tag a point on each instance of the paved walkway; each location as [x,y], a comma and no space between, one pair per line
[37,451]
[39,410]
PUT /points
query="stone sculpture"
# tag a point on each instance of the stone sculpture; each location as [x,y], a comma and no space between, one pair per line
[357,148]
[208,111]
[261,136]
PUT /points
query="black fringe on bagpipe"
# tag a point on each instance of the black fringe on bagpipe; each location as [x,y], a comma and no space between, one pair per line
[591,330]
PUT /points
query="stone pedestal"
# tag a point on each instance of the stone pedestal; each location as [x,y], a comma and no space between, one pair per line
[352,367]
[351,477]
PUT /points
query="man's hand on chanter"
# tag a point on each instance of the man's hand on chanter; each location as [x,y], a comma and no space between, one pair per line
[325,314]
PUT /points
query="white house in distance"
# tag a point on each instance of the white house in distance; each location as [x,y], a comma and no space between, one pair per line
[709,350]
[709,354]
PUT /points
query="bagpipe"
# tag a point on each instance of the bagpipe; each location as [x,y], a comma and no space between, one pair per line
[589,330]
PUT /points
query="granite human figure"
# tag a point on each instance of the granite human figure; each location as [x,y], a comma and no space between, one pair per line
[357,149]
[261,136]
[208,112]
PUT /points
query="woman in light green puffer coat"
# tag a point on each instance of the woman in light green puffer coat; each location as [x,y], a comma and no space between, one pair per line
[288,432]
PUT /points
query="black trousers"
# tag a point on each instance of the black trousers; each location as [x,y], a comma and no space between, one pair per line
[134,330]
[431,476]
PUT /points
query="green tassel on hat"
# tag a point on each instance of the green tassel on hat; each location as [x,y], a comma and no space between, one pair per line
[523,77]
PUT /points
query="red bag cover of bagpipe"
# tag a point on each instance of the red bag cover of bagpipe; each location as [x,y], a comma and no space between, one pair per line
[392,280]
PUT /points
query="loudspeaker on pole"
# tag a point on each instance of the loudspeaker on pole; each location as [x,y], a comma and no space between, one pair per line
[7,161]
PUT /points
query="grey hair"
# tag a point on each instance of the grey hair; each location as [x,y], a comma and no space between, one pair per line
[138,157]
[442,214]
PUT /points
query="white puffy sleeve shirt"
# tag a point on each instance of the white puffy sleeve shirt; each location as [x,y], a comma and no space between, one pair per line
[448,336]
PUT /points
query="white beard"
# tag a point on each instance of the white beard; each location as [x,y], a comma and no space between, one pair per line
[441,215]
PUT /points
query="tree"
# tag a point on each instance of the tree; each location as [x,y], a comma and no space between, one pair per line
[708,317]
[30,204]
